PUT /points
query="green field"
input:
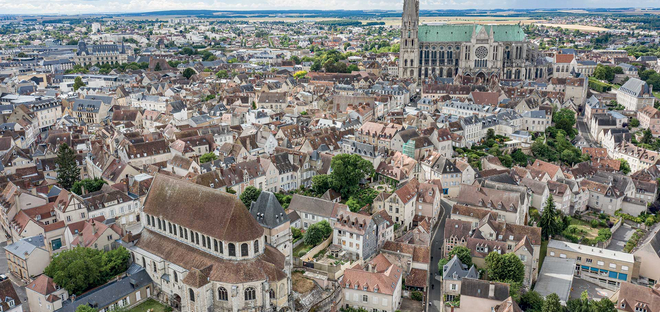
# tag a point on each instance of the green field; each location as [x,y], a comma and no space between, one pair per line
[150,304]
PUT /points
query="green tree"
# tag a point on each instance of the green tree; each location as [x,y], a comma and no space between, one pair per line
[188,72]
[441,265]
[531,301]
[90,185]
[67,169]
[463,254]
[519,157]
[314,235]
[552,304]
[603,72]
[347,171]
[564,119]
[300,74]
[157,67]
[320,183]
[490,134]
[207,157]
[78,83]
[77,269]
[114,262]
[550,223]
[505,268]
[604,305]
[222,74]
[249,195]
[624,167]
[634,122]
[85,308]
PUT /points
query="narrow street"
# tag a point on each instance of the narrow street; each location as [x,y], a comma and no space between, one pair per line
[435,291]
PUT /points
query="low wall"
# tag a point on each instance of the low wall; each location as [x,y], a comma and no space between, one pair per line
[310,254]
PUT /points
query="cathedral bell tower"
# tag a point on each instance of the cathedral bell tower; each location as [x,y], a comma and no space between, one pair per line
[409,50]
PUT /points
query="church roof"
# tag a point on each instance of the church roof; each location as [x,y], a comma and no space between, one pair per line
[463,33]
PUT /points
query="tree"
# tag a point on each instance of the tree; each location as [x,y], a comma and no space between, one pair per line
[189,72]
[624,167]
[207,157]
[300,74]
[441,264]
[550,223]
[222,74]
[564,119]
[314,235]
[67,169]
[634,122]
[519,157]
[325,227]
[603,72]
[347,171]
[463,254]
[90,185]
[490,134]
[320,183]
[604,305]
[157,67]
[78,83]
[249,195]
[21,54]
[85,308]
[552,304]
[81,268]
[531,301]
[505,268]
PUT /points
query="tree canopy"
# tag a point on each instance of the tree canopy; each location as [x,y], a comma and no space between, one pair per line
[550,222]
[505,268]
[317,232]
[564,119]
[463,254]
[67,169]
[188,72]
[90,185]
[207,157]
[347,171]
[249,195]
[77,83]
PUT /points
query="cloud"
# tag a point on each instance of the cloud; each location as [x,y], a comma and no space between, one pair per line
[125,6]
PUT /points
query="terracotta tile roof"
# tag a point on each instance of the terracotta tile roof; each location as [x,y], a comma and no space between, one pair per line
[43,285]
[550,169]
[564,58]
[417,278]
[171,199]
[637,298]
[267,266]
[379,275]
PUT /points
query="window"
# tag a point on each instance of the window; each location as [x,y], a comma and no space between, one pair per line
[250,294]
[244,250]
[176,277]
[552,253]
[612,265]
[155,268]
[365,298]
[579,259]
[454,287]
[625,268]
[232,250]
[256,247]
[222,294]
[601,263]
[590,260]
[191,293]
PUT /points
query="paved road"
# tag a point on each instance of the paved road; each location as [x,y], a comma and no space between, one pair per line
[435,292]
[583,129]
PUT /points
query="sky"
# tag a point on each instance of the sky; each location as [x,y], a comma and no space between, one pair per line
[121,6]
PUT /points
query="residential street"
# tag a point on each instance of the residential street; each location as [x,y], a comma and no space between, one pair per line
[435,291]
[583,130]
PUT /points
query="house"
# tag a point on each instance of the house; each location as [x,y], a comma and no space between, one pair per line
[649,118]
[125,292]
[400,204]
[481,295]
[94,234]
[635,94]
[452,274]
[313,210]
[375,286]
[27,257]
[356,234]
[635,298]
[10,300]
[648,253]
[44,295]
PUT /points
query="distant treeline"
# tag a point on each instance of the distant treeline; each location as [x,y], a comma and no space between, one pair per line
[647,21]
[344,23]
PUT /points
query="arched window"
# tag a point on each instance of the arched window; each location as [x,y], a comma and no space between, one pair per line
[176,277]
[244,250]
[272,294]
[222,249]
[144,262]
[250,294]
[155,268]
[192,294]
[148,221]
[256,246]
[232,250]
[222,294]
[405,62]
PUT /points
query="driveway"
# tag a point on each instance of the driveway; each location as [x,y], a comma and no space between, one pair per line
[621,237]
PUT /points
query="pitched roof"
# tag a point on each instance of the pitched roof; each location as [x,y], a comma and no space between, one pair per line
[268,211]
[214,213]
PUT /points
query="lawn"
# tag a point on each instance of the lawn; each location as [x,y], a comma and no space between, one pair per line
[544,250]
[300,247]
[150,304]
[591,233]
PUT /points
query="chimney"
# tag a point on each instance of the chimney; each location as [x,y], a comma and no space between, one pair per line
[82,190]
[491,290]
[93,227]
[127,184]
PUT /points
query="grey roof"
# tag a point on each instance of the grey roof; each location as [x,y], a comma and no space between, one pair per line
[87,106]
[556,276]
[313,205]
[26,246]
[268,211]
[110,293]
[635,87]
[103,98]
[480,288]
[455,270]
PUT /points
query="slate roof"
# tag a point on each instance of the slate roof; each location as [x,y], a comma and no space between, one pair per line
[455,270]
[480,289]
[268,211]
